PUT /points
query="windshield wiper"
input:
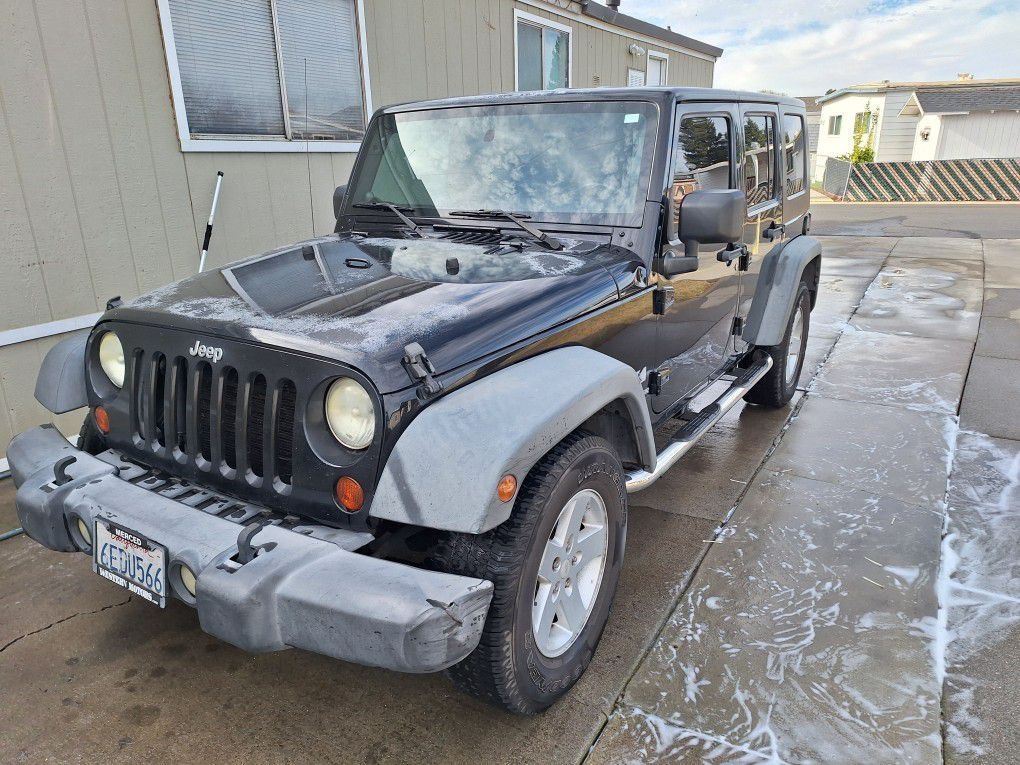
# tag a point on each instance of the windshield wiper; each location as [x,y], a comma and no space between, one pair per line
[551,242]
[398,211]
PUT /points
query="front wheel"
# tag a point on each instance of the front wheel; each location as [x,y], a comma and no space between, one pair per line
[779,384]
[554,565]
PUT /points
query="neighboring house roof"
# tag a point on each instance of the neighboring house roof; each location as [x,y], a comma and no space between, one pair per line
[888,85]
[810,103]
[962,100]
[602,13]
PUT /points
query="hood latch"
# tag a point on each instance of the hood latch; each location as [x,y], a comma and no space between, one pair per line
[420,370]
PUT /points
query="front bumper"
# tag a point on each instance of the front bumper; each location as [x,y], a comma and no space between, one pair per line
[304,592]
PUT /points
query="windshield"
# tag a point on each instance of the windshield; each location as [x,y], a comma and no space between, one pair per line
[569,162]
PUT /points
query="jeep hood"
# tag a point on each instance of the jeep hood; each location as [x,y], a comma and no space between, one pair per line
[360,300]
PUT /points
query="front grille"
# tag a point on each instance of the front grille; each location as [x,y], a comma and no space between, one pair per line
[248,426]
[215,417]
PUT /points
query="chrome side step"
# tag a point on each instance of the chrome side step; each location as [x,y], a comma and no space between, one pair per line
[703,421]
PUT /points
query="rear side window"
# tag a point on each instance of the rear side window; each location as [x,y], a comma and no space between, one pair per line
[793,151]
[702,161]
[759,158]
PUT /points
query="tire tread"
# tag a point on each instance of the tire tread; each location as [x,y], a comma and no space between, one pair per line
[497,555]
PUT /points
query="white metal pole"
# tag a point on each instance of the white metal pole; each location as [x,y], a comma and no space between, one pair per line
[208,226]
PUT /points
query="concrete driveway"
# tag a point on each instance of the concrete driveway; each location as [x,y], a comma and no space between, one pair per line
[789,593]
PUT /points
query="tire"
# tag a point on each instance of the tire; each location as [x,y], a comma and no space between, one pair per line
[511,666]
[779,384]
[90,439]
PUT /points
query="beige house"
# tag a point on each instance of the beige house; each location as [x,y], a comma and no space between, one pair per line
[116,117]
[964,118]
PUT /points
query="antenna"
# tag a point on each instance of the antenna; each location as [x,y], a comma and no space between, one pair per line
[208,226]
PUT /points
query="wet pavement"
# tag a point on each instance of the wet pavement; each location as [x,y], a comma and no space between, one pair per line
[796,589]
[864,602]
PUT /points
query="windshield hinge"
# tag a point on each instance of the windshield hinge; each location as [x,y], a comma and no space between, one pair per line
[420,370]
[738,326]
[662,299]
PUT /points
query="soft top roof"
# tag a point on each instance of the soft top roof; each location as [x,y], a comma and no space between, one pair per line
[657,94]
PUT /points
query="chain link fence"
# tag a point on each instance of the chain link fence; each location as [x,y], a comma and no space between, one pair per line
[835,175]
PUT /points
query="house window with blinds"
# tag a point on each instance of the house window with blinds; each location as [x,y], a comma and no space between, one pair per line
[273,70]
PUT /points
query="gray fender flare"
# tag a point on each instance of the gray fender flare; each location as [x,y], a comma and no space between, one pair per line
[60,386]
[444,469]
[778,282]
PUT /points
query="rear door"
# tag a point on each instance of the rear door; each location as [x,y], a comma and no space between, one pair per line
[760,180]
[693,333]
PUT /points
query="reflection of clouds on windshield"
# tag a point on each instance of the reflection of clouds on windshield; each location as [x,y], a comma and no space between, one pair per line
[426,260]
[567,162]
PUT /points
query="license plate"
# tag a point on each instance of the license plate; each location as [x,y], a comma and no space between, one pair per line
[130,560]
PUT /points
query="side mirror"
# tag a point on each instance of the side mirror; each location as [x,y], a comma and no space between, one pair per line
[338,200]
[701,217]
[711,217]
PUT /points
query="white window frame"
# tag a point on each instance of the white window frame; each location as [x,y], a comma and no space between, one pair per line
[259,144]
[659,56]
[542,21]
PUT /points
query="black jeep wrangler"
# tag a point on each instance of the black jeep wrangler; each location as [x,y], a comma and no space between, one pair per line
[410,444]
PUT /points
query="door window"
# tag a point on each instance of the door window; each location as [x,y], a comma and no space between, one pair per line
[702,160]
[759,158]
[793,150]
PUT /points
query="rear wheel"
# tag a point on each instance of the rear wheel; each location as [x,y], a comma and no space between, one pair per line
[554,564]
[779,384]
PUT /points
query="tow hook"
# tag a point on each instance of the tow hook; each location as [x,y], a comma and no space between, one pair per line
[60,476]
[246,552]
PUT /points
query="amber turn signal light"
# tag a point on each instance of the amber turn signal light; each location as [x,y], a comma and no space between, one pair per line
[506,488]
[349,494]
[102,420]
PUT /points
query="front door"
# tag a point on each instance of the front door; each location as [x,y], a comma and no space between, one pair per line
[761,181]
[694,331]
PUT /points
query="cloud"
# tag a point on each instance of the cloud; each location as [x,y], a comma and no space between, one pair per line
[802,47]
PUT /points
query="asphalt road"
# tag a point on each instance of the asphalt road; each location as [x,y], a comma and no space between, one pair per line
[975,221]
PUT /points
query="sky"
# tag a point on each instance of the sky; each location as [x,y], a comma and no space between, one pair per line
[806,47]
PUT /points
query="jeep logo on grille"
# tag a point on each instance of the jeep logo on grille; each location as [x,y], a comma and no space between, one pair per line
[206,352]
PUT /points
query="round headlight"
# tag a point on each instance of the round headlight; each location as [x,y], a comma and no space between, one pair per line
[111,358]
[350,413]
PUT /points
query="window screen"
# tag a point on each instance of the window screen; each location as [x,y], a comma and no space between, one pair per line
[835,124]
[321,37]
[543,57]
[759,158]
[230,59]
[793,150]
[227,59]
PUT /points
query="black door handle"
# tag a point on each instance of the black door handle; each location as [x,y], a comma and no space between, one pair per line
[731,253]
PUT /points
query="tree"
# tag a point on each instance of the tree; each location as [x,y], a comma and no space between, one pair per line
[863,150]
